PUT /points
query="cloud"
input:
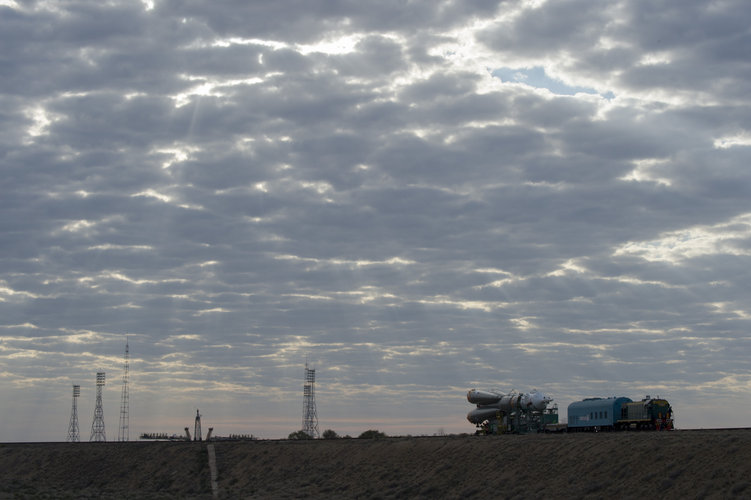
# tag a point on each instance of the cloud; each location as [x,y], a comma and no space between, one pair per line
[418,197]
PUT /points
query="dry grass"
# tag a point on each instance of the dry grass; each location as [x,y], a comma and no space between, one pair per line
[679,464]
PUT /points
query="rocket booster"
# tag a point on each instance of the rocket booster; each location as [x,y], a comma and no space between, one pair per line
[490,403]
[483,397]
[527,401]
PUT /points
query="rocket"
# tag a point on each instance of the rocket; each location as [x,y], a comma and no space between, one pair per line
[489,403]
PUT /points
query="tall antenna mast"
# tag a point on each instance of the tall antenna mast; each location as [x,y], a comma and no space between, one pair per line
[122,432]
[309,412]
[97,426]
[73,436]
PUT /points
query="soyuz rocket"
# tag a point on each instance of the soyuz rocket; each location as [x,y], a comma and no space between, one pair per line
[489,403]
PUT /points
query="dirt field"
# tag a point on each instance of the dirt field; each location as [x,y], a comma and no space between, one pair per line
[678,464]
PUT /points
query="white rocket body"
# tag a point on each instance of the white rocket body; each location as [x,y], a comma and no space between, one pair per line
[490,403]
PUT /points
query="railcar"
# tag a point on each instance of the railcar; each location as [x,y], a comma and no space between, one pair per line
[616,414]
[596,414]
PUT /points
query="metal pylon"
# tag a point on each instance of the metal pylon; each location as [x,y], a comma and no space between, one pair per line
[309,411]
[97,426]
[122,432]
[73,434]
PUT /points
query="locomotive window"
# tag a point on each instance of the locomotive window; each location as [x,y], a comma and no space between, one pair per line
[606,414]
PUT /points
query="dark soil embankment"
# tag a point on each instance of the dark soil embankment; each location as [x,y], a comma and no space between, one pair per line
[679,464]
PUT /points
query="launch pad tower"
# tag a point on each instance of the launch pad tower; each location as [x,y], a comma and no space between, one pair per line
[197,427]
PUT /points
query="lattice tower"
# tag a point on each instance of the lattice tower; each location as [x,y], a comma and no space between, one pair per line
[73,434]
[97,426]
[197,428]
[309,412]
[122,432]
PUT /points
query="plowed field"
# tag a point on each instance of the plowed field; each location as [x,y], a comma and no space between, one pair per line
[678,464]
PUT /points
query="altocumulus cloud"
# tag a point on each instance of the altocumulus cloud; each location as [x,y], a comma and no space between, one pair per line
[419,196]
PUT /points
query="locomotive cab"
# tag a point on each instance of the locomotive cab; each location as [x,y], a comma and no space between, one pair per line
[647,414]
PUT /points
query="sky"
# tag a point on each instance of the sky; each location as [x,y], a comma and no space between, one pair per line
[417,197]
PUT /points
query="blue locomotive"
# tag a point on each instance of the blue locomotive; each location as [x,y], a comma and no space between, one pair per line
[616,414]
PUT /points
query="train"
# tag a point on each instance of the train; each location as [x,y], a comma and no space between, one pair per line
[498,413]
[620,414]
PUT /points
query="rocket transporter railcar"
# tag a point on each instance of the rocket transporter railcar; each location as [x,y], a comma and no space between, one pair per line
[498,413]
[616,414]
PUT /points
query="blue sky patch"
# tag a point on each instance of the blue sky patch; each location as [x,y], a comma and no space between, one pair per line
[536,77]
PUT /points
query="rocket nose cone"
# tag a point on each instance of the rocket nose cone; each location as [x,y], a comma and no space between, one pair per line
[540,400]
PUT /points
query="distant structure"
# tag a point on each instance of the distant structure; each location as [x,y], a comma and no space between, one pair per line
[309,412]
[197,428]
[122,432]
[73,436]
[97,426]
